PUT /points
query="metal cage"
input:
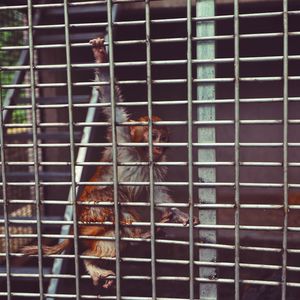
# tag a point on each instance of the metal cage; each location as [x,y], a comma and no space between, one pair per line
[223,75]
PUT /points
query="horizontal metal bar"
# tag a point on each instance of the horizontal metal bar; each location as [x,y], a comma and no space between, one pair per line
[265,184]
[154,21]
[167,40]
[166,183]
[163,225]
[101,2]
[143,63]
[138,224]
[257,282]
[260,164]
[154,62]
[158,81]
[159,123]
[179,144]
[83,296]
[14,28]
[243,36]
[146,204]
[261,206]
[171,278]
[147,260]
[186,243]
[171,163]
[197,102]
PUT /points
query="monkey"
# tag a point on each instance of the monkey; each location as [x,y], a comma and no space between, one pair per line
[96,194]
[137,134]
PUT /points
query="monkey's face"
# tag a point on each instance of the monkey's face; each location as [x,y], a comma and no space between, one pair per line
[159,135]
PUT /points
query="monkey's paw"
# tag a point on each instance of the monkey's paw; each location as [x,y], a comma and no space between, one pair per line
[99,49]
[104,276]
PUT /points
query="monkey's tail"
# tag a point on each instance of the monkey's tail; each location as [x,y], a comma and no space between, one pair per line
[58,248]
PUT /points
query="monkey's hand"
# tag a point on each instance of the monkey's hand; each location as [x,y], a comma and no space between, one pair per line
[178,216]
[99,50]
[103,276]
[166,217]
[147,235]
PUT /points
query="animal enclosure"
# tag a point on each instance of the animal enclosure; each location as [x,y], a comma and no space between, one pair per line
[219,83]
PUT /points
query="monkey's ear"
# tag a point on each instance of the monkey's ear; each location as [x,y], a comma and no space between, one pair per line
[136,133]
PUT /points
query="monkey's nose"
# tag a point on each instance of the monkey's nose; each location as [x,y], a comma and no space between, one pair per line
[157,150]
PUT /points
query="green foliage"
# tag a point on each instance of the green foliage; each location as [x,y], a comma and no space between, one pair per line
[19,116]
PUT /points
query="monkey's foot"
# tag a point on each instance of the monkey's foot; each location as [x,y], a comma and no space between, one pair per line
[178,216]
[99,50]
[103,276]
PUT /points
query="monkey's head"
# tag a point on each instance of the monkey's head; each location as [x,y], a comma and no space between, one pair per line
[140,134]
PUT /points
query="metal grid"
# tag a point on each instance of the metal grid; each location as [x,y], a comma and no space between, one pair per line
[204,120]
[14,18]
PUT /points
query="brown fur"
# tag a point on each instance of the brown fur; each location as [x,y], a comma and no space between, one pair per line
[48,250]
[294,199]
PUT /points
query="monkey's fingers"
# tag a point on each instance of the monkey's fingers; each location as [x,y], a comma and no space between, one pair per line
[182,217]
[103,275]
[108,283]
[195,221]
[99,50]
[166,217]
[147,235]
[97,42]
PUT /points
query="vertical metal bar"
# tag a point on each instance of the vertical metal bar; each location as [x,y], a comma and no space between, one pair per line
[236,149]
[206,92]
[114,145]
[285,146]
[72,147]
[57,266]
[81,157]
[190,147]
[150,147]
[4,195]
[35,147]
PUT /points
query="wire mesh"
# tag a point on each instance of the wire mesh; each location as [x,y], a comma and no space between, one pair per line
[223,75]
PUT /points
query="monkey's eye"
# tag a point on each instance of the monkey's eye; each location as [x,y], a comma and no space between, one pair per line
[154,136]
[163,138]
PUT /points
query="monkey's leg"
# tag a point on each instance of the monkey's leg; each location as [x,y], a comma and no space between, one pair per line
[98,274]
[100,249]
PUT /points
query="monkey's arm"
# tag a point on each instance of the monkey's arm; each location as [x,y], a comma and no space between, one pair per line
[102,75]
